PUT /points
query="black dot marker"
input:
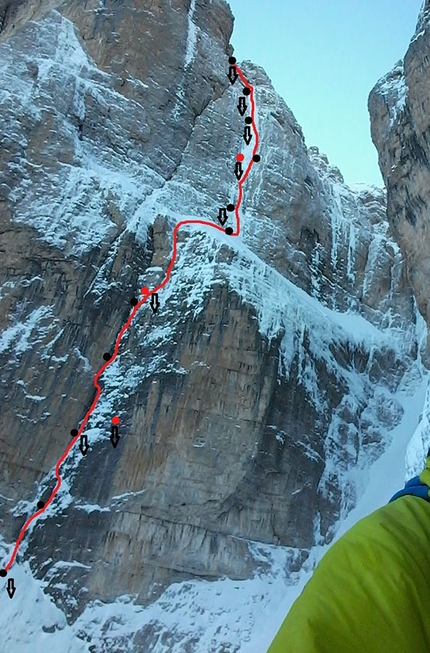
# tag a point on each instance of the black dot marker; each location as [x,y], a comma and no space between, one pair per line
[246,91]
[228,231]
[230,207]
[74,433]
[248,120]
[134,301]
[107,356]
[256,158]
[40,505]
[232,60]
[3,573]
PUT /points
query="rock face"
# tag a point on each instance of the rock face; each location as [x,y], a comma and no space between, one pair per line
[399,107]
[268,375]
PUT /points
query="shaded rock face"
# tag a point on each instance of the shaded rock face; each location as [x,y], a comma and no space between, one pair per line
[399,107]
[270,369]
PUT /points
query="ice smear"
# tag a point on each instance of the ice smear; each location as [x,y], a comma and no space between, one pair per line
[192,35]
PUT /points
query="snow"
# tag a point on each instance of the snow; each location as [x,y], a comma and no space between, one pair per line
[35,613]
[5,288]
[37,398]
[242,615]
[22,336]
[192,35]
[280,306]
[83,359]
[364,187]
[126,496]
[422,21]
[89,508]
[69,204]
[393,87]
[419,444]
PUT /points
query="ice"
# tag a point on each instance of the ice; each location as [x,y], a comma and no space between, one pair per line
[393,87]
[192,35]
[241,616]
[68,208]
[423,20]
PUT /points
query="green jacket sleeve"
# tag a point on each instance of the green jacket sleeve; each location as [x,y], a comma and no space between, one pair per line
[371,590]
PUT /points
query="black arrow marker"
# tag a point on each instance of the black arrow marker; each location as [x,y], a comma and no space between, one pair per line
[222,216]
[232,74]
[154,302]
[238,169]
[11,589]
[247,134]
[114,436]
[242,106]
[83,444]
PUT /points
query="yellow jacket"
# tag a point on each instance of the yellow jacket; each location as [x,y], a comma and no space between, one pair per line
[370,593]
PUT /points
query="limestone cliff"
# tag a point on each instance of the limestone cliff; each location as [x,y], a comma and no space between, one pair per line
[399,107]
[253,402]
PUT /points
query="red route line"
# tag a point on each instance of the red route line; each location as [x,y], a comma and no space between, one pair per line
[127,324]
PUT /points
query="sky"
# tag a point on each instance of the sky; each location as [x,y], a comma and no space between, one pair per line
[324,57]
